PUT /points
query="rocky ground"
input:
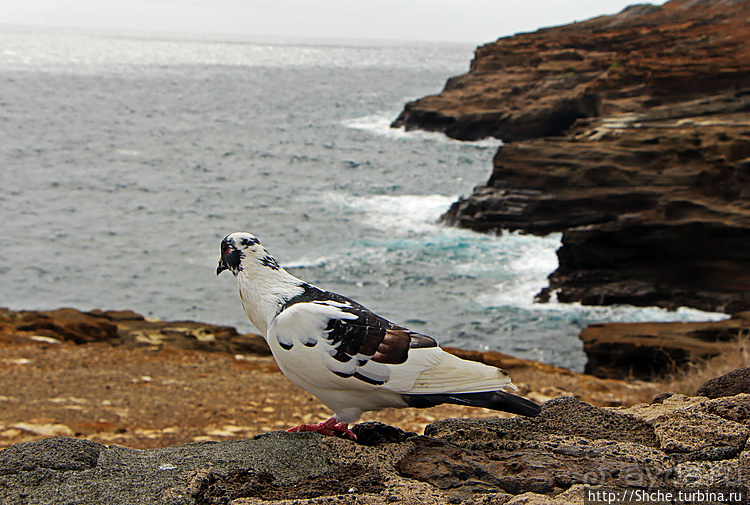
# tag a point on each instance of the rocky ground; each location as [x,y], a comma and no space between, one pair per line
[116,378]
[107,407]
[683,444]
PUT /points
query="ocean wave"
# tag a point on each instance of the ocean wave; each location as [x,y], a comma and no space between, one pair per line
[521,295]
[380,124]
[395,214]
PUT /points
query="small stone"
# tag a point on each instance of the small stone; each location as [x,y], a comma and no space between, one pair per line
[17,361]
[45,430]
[45,340]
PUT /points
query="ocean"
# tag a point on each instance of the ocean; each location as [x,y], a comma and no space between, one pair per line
[126,158]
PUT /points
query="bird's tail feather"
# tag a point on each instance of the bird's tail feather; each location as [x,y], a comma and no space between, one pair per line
[495,400]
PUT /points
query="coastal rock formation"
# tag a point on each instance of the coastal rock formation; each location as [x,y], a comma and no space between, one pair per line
[681,444]
[123,328]
[538,84]
[650,350]
[630,134]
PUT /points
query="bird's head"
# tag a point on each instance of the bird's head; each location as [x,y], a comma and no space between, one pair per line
[237,248]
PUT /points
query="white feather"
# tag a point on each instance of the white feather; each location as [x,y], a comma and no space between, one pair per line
[432,370]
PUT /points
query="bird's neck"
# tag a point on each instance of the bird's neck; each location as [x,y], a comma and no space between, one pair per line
[264,291]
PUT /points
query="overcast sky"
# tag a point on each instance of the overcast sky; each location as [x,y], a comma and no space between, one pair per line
[473,21]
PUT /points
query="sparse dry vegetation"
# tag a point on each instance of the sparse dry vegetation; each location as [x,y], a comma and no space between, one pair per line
[687,381]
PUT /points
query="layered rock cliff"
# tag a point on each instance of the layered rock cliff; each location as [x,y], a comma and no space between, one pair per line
[630,134]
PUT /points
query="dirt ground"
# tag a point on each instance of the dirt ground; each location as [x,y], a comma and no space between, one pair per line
[148,397]
[145,398]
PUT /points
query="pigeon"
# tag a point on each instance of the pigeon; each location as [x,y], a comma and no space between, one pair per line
[348,357]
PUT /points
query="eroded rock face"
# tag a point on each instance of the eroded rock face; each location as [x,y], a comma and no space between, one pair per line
[538,84]
[628,133]
[653,212]
[125,328]
[649,350]
[675,444]
[731,384]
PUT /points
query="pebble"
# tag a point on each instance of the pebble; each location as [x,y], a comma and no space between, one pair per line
[68,399]
[45,430]
[46,340]
[17,361]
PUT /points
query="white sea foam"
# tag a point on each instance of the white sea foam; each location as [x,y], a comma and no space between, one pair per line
[398,214]
[629,313]
[527,261]
[520,289]
[380,125]
[307,262]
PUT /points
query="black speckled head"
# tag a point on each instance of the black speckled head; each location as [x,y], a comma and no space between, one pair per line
[236,246]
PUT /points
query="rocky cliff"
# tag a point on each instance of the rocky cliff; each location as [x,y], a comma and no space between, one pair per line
[630,134]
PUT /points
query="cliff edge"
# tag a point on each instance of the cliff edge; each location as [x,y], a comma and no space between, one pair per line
[630,134]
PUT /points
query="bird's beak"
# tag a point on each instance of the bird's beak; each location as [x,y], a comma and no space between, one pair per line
[222,266]
[230,260]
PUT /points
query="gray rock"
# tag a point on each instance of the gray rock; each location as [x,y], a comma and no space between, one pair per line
[65,471]
[57,453]
[690,431]
[733,383]
[561,416]
[675,444]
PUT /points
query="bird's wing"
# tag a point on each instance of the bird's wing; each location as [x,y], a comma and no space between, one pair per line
[353,342]
[350,340]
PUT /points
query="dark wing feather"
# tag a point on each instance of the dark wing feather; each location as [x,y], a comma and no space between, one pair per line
[370,336]
[365,336]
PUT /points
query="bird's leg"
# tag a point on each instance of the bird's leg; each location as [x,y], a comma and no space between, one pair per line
[326,427]
[344,429]
[329,427]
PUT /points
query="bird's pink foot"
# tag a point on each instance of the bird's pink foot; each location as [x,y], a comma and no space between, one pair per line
[330,428]
[343,428]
